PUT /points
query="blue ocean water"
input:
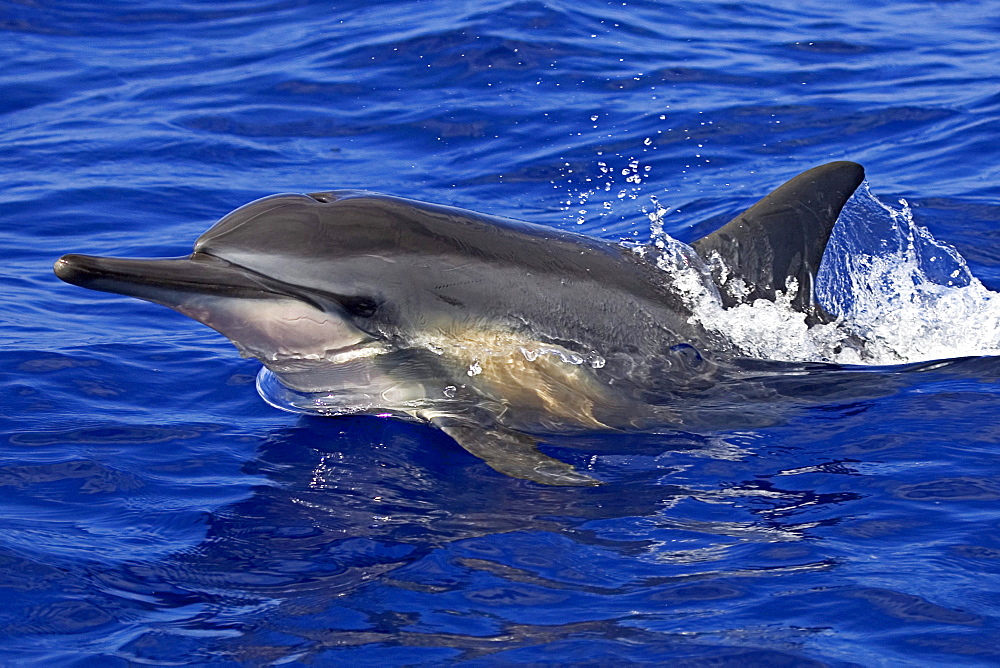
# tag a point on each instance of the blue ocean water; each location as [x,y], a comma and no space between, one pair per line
[155,510]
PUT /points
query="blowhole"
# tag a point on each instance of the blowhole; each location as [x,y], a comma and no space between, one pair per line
[325,198]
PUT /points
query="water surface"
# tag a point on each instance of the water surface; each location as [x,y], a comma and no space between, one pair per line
[156,510]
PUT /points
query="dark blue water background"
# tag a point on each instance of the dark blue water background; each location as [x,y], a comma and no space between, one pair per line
[155,510]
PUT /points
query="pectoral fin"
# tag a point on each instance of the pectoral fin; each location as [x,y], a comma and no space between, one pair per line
[512,453]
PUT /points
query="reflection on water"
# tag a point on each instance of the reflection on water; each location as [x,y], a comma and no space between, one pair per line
[341,537]
[376,532]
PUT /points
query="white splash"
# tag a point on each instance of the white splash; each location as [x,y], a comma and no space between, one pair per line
[909,296]
[900,296]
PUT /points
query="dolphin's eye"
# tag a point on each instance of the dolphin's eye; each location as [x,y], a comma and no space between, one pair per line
[362,307]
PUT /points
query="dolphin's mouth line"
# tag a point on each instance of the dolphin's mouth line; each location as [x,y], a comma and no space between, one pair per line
[200,273]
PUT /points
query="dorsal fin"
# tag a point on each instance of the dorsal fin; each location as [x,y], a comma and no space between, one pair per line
[783,236]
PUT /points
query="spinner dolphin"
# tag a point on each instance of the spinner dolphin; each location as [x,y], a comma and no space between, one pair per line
[493,330]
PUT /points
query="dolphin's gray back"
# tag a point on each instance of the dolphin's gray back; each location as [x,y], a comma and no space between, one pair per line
[587,292]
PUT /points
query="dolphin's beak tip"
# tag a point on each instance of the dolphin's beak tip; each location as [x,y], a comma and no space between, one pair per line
[77,269]
[67,268]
